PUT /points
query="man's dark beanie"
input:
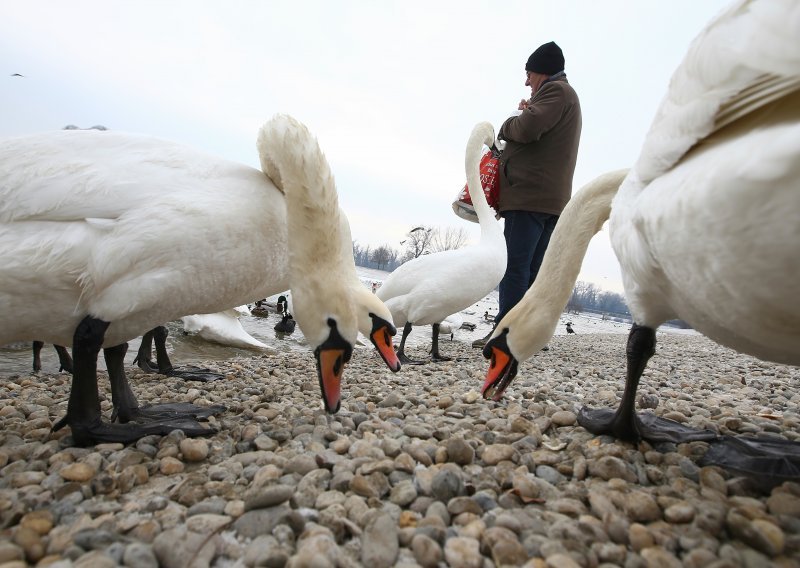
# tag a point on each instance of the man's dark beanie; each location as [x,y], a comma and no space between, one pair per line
[547,59]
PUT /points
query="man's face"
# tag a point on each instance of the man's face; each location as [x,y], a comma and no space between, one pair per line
[534,81]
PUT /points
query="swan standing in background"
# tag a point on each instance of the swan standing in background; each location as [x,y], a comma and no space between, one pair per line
[429,288]
[705,226]
[323,280]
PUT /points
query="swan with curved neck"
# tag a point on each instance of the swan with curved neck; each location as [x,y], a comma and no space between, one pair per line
[374,318]
[429,288]
[326,289]
[705,225]
[529,325]
[106,235]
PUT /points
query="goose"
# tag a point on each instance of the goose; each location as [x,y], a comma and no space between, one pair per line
[429,288]
[705,224]
[327,308]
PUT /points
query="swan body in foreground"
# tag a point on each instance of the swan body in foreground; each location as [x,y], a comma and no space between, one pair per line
[223,327]
[426,290]
[705,226]
[328,296]
[106,235]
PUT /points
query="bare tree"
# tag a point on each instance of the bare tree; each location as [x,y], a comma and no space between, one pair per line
[449,238]
[417,242]
[382,255]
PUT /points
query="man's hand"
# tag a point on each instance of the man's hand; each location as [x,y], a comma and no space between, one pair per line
[523,104]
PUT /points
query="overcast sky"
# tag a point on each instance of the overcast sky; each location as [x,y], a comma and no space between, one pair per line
[391,89]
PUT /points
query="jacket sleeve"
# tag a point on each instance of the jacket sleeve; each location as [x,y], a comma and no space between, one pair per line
[542,114]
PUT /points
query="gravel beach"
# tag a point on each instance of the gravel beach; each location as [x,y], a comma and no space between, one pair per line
[415,470]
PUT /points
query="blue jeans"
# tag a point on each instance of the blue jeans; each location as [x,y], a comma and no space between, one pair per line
[527,236]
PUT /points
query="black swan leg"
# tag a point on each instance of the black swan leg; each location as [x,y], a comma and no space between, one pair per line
[126,407]
[144,358]
[435,355]
[158,336]
[64,360]
[767,460]
[401,353]
[83,408]
[187,372]
[625,424]
[37,360]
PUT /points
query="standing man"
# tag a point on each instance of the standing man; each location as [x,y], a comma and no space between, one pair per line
[536,170]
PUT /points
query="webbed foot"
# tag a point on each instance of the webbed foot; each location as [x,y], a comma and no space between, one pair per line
[166,411]
[102,432]
[642,426]
[192,373]
[405,360]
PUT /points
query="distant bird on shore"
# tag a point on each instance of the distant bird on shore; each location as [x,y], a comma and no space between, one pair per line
[17,75]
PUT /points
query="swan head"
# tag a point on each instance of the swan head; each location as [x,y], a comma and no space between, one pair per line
[375,322]
[331,356]
[502,366]
[381,337]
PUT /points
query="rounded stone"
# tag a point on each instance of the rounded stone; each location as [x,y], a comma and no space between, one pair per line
[427,551]
[194,449]
[170,466]
[459,451]
[78,472]
[495,453]
[463,552]
[564,418]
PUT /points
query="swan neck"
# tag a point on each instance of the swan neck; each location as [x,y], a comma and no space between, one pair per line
[581,219]
[472,164]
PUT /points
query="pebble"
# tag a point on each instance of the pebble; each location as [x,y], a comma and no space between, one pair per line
[194,449]
[415,470]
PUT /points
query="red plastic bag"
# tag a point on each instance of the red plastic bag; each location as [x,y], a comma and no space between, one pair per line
[490,180]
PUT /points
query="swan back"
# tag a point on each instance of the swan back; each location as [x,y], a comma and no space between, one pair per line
[132,230]
[704,226]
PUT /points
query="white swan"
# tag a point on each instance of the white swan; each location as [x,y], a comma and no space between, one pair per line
[106,235]
[223,327]
[705,226]
[328,296]
[529,325]
[429,288]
